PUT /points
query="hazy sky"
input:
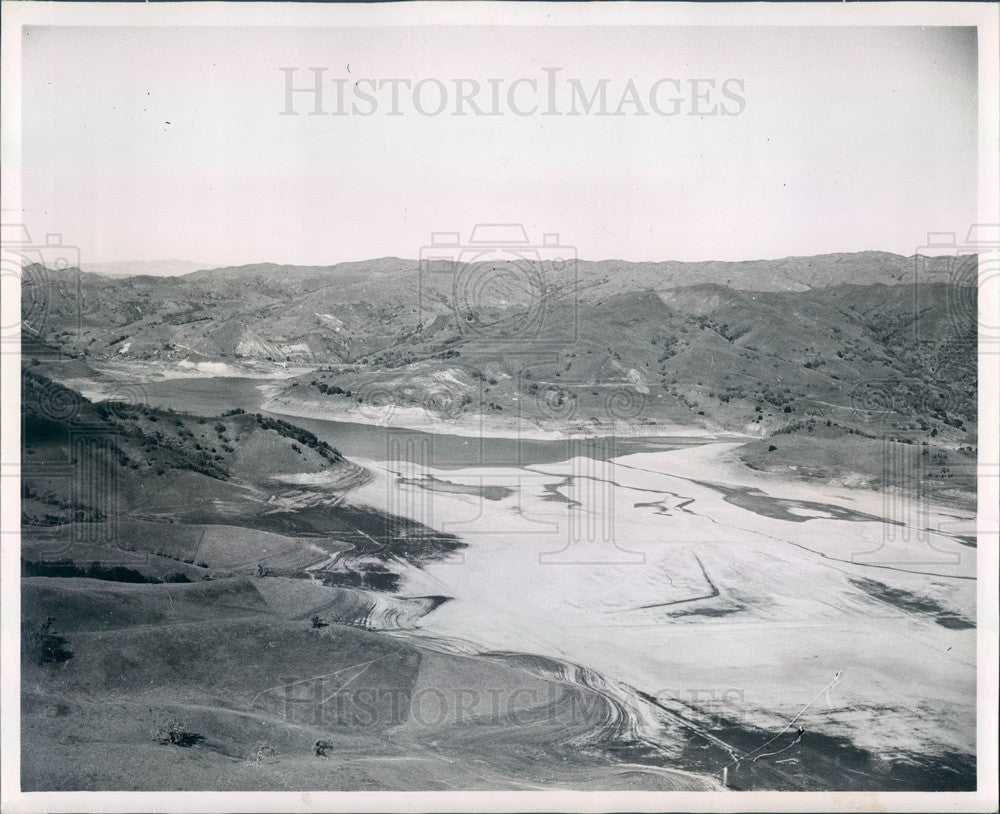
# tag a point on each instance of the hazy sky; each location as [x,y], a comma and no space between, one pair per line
[167,143]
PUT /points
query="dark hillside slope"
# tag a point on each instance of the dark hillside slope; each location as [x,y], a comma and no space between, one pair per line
[110,485]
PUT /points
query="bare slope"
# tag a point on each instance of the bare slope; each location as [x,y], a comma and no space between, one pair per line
[157,687]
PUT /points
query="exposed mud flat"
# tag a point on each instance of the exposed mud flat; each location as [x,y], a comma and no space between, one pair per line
[808,760]
[433,484]
[687,577]
[914,603]
[796,511]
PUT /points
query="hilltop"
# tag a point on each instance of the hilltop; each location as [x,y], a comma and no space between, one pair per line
[133,268]
[344,312]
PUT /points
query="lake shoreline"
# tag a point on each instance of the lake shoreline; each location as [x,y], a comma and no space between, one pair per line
[477,425]
[270,383]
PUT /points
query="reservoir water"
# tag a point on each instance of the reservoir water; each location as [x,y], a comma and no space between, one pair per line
[213,396]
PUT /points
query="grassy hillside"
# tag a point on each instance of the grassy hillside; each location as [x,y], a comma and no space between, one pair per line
[212,686]
[167,494]
[750,362]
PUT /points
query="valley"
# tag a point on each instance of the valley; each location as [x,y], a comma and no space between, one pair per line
[307,534]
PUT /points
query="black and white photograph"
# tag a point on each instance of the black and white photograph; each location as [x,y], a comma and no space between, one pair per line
[500,406]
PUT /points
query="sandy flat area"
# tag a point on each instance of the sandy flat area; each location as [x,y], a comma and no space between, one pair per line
[799,602]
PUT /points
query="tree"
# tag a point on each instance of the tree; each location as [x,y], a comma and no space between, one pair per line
[173,733]
[46,647]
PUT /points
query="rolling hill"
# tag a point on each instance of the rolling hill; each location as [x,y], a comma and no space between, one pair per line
[206,606]
[217,686]
[867,344]
[347,311]
[174,496]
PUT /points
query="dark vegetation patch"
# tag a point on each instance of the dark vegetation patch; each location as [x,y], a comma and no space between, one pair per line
[912,603]
[52,510]
[96,570]
[777,508]
[297,433]
[175,733]
[41,645]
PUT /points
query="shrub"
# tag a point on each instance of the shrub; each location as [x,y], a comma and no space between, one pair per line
[262,752]
[44,646]
[96,570]
[178,577]
[174,733]
[323,747]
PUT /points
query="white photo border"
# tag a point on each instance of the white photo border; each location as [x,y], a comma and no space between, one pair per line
[984,16]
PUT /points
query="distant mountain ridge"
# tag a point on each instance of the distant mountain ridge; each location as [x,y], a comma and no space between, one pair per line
[792,273]
[134,268]
[750,347]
